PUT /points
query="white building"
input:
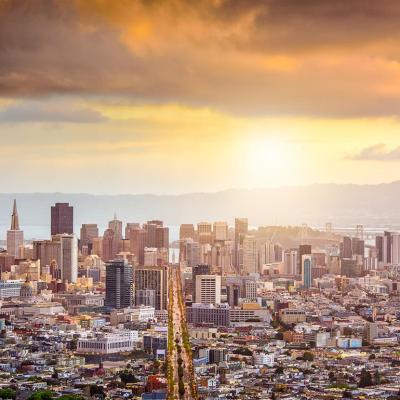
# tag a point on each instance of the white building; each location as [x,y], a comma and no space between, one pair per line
[208,289]
[10,288]
[263,359]
[118,342]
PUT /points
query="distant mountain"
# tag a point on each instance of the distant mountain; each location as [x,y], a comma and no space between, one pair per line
[344,205]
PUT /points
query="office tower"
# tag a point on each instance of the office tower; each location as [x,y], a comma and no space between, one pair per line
[153,278]
[201,269]
[15,236]
[97,247]
[204,231]
[241,230]
[388,236]
[47,251]
[88,233]
[189,252]
[278,253]
[334,265]
[138,238]
[109,245]
[304,249]
[150,256]
[62,219]
[69,258]
[250,289]
[116,226]
[208,289]
[306,270]
[328,227]
[220,230]
[395,248]
[346,250]
[186,231]
[360,232]
[129,226]
[233,293]
[267,253]
[357,247]
[119,284]
[151,234]
[250,264]
[291,262]
[162,237]
[371,331]
[155,257]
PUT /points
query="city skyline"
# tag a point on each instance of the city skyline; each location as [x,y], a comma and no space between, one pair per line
[162,97]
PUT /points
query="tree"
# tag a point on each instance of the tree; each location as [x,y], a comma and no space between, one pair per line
[308,356]
[372,356]
[365,379]
[7,393]
[127,377]
[244,351]
[279,370]
[41,395]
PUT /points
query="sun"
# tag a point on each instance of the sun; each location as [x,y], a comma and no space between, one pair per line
[268,160]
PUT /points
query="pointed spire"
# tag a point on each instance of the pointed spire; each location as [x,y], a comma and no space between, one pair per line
[14,218]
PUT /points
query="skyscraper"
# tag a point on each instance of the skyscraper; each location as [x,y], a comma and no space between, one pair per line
[119,284]
[88,233]
[250,264]
[69,258]
[138,239]
[208,289]
[116,226]
[109,245]
[306,275]
[62,219]
[201,269]
[241,230]
[304,249]
[153,278]
[220,230]
[15,236]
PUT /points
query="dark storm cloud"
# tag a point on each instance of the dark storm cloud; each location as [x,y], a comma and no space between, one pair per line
[283,57]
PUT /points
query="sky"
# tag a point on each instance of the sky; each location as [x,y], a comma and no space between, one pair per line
[171,96]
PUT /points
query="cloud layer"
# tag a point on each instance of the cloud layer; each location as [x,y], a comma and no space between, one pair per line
[378,152]
[272,57]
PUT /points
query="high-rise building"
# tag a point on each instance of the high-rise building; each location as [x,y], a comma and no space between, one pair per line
[162,237]
[119,284]
[304,249]
[346,248]
[241,230]
[138,238]
[88,233]
[129,226]
[200,269]
[15,236]
[208,289]
[291,263]
[220,230]
[109,245]
[153,278]
[250,264]
[69,258]
[306,262]
[395,248]
[116,226]
[62,219]
[204,231]
[186,231]
[189,252]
